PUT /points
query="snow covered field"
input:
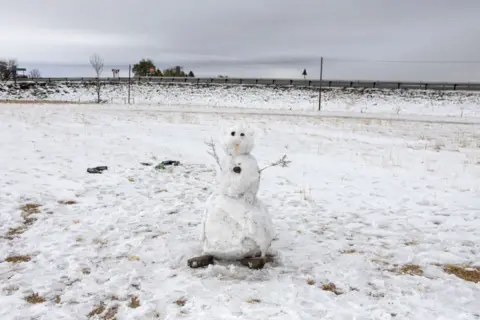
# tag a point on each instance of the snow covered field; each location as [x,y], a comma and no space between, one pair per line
[366,101]
[370,215]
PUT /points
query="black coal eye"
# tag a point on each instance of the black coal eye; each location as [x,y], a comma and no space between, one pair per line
[233,133]
[242,134]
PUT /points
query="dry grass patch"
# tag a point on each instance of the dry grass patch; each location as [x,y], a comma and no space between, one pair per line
[67,202]
[111,313]
[27,210]
[411,243]
[98,310]
[134,302]
[35,298]
[467,273]
[411,269]
[57,299]
[30,208]
[332,288]
[17,259]
[254,301]
[15,232]
[310,282]
[349,251]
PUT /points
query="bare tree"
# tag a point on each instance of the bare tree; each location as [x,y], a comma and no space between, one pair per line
[34,74]
[8,69]
[97,64]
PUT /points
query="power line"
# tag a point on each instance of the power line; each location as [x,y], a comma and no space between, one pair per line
[406,61]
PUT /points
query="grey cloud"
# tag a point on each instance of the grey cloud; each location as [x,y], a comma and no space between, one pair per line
[271,37]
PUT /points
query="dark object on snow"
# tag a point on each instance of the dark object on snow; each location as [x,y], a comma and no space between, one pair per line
[237,169]
[254,263]
[170,162]
[165,163]
[99,169]
[147,164]
[201,261]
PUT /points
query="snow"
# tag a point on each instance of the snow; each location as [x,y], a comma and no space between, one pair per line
[456,104]
[361,198]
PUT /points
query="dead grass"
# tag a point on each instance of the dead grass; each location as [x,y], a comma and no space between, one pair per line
[111,313]
[465,272]
[27,210]
[332,288]
[17,259]
[181,302]
[97,310]
[35,298]
[58,299]
[254,301]
[411,269]
[310,282]
[134,302]
[30,208]
[67,202]
[349,251]
[411,243]
[15,232]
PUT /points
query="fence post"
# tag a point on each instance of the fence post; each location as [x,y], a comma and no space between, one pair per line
[129,81]
[320,85]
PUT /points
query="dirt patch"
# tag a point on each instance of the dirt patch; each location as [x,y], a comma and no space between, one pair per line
[465,272]
[181,302]
[17,259]
[35,298]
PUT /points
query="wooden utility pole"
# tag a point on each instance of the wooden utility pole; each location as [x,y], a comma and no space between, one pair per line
[320,86]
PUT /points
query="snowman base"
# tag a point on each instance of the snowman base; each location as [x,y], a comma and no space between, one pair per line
[250,262]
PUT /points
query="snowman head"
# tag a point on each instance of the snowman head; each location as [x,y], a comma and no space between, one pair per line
[238,140]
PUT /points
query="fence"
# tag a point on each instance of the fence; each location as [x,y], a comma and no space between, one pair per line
[465,86]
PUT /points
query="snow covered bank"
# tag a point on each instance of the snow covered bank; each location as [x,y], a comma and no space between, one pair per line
[419,102]
[376,208]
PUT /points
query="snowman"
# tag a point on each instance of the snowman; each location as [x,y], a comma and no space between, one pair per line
[236,224]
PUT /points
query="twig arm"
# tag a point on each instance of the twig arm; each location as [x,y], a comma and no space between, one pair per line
[282,162]
[213,152]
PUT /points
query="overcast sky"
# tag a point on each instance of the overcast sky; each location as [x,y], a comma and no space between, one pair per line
[270,38]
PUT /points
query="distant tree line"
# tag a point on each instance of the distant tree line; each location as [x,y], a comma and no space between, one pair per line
[8,70]
[146,67]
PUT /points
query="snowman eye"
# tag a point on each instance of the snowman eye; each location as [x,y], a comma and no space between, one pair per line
[233,133]
[242,134]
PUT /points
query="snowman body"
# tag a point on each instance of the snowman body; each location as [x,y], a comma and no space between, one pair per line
[236,224]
